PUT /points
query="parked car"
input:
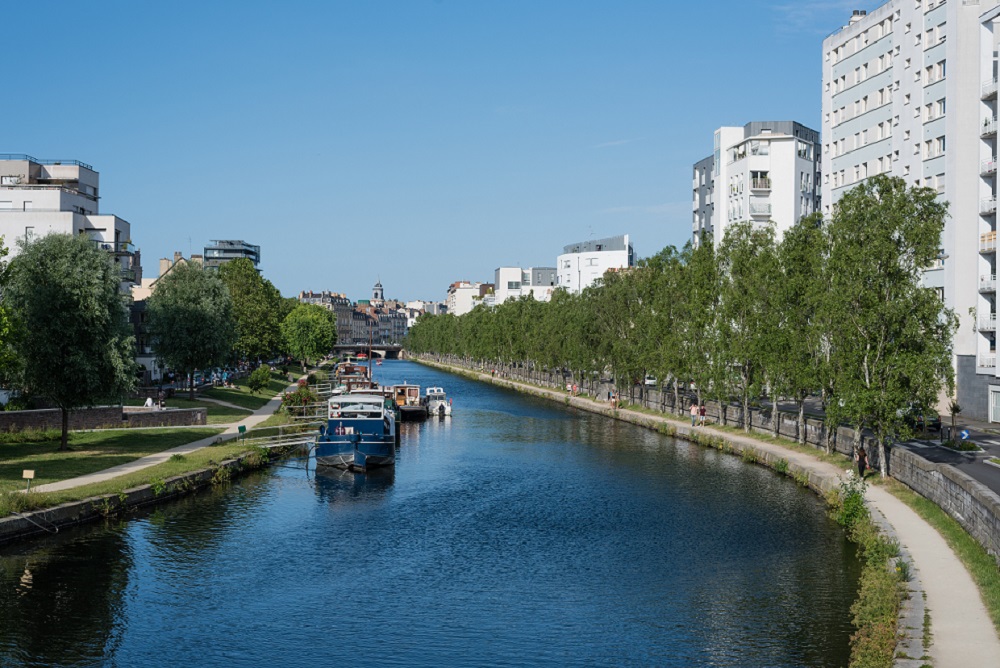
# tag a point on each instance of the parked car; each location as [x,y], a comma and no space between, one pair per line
[649,381]
[921,420]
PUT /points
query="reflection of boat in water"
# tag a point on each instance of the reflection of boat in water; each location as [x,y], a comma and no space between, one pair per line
[360,432]
[437,402]
[344,485]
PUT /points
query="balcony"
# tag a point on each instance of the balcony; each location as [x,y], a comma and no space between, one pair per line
[988,166]
[988,323]
[760,208]
[128,275]
[989,89]
[987,361]
[989,127]
[116,247]
[988,242]
[988,206]
[988,283]
[760,184]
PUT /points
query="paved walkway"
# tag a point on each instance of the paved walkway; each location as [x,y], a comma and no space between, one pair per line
[962,633]
[223,403]
[231,430]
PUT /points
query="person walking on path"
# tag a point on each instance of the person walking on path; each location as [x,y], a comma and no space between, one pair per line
[695,414]
[862,458]
[702,412]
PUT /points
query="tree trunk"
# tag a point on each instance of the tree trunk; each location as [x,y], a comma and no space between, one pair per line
[883,469]
[802,422]
[64,442]
[746,413]
[775,418]
[191,386]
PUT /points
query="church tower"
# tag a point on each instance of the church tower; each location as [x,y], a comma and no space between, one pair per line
[377,293]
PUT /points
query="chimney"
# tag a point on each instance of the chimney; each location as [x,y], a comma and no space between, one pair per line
[857,15]
[177,257]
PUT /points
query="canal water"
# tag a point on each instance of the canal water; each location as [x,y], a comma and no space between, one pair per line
[517,533]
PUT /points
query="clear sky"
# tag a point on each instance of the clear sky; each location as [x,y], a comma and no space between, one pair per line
[418,142]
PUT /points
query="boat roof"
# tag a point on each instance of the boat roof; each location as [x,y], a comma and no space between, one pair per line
[358,398]
[435,390]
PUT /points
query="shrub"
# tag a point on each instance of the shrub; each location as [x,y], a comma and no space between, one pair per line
[259,379]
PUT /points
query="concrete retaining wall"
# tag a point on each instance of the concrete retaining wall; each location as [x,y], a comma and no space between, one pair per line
[97,507]
[101,417]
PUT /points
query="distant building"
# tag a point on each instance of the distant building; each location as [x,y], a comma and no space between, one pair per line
[225,250]
[377,320]
[582,264]
[463,296]
[764,171]
[514,282]
[42,197]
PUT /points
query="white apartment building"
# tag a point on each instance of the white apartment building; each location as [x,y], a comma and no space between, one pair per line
[582,264]
[764,171]
[40,197]
[909,90]
[463,296]
[515,282]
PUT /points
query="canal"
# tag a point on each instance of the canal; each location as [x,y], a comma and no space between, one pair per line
[517,533]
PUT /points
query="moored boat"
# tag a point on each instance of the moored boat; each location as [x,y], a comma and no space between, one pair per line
[437,402]
[360,432]
[407,397]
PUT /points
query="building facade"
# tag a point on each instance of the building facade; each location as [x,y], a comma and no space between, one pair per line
[514,282]
[41,197]
[764,171]
[463,296]
[582,264]
[222,251]
[909,90]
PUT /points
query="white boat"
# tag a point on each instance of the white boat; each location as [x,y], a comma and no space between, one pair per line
[437,402]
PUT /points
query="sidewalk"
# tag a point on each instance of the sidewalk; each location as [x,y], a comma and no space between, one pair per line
[230,432]
[962,633]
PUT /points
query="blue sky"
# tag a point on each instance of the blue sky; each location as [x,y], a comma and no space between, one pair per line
[417,142]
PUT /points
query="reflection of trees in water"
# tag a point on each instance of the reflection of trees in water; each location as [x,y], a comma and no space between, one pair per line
[336,485]
[58,608]
[201,523]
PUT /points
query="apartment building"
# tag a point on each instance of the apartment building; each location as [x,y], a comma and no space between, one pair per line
[40,197]
[463,296]
[582,264]
[222,251]
[515,282]
[763,171]
[909,90]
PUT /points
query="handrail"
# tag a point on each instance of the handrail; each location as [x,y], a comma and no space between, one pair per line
[25,156]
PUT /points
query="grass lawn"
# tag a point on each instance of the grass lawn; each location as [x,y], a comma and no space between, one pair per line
[216,414]
[241,395]
[91,451]
[176,465]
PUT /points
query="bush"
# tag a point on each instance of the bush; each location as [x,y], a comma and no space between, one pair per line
[259,379]
[849,509]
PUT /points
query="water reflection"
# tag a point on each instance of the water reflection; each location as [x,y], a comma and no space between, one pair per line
[335,485]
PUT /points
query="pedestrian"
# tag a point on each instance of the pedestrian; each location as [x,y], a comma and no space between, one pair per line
[614,400]
[702,412]
[862,457]
[695,413]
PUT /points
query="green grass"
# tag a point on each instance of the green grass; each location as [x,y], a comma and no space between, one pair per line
[241,395]
[91,451]
[978,562]
[216,414]
[204,458]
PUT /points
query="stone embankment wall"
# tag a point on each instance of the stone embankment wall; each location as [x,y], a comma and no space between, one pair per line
[972,504]
[50,520]
[101,417]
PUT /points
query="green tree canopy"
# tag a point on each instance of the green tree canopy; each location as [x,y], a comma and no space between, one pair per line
[890,337]
[191,324]
[70,324]
[257,309]
[310,331]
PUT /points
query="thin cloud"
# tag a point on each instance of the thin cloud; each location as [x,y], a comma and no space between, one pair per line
[617,142]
